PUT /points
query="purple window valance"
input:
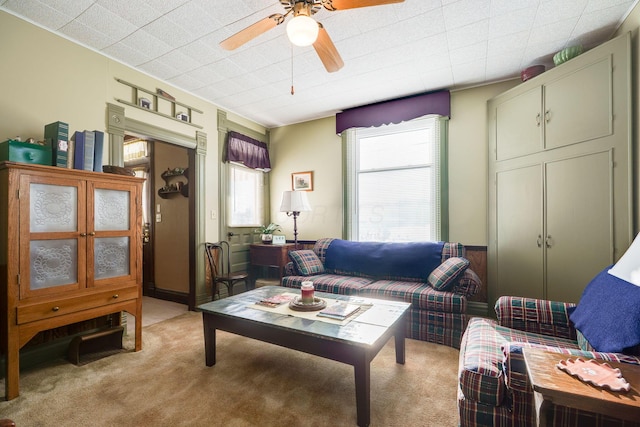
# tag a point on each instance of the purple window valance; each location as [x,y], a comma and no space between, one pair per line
[248,151]
[395,111]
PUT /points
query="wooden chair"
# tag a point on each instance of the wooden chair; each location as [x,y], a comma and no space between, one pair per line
[219,258]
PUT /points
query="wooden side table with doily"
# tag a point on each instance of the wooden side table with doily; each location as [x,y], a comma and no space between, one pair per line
[554,387]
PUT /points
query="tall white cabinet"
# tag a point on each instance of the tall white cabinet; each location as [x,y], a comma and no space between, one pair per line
[560,176]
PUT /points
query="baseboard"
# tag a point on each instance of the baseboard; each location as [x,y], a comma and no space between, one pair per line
[477,308]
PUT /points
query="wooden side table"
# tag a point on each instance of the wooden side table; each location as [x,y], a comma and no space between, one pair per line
[552,386]
[274,256]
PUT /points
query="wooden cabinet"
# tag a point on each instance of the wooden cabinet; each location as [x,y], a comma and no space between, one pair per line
[272,256]
[70,251]
[560,199]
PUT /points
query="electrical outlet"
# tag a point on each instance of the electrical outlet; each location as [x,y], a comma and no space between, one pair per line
[213,214]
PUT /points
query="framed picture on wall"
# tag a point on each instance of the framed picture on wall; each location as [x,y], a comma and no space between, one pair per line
[302,181]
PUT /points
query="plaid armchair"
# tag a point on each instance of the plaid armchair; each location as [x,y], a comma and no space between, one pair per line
[493,386]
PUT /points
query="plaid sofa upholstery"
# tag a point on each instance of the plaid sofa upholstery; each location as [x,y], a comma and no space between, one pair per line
[434,316]
[493,386]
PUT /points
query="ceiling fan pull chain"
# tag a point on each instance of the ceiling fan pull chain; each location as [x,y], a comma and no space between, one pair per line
[292,91]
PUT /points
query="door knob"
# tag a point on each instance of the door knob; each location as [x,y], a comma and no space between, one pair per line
[230,234]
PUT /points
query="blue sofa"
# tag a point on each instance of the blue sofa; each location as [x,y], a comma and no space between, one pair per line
[433,276]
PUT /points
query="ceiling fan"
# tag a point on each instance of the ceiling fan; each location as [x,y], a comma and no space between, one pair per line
[303,30]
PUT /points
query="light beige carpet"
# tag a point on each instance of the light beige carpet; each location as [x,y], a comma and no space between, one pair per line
[252,384]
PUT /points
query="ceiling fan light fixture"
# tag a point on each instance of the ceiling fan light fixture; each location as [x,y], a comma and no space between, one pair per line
[302,30]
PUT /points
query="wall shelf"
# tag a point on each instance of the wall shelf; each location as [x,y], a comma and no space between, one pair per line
[137,92]
[174,186]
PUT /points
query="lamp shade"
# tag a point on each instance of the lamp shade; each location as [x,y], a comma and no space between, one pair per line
[302,30]
[294,201]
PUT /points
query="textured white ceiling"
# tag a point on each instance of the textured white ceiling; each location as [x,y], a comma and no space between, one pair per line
[389,51]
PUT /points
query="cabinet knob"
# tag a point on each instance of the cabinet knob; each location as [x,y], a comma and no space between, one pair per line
[115,296]
[83,234]
[548,242]
[547,116]
[93,233]
[538,119]
[539,240]
[56,308]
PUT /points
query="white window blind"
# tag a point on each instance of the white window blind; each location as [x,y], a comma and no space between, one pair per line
[394,182]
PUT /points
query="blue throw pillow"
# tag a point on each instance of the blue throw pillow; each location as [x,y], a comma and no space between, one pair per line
[306,262]
[608,314]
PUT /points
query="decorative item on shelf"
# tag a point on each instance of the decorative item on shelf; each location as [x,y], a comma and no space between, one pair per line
[531,72]
[266,232]
[144,103]
[302,181]
[294,202]
[566,54]
[15,150]
[117,170]
[279,240]
[182,116]
[164,94]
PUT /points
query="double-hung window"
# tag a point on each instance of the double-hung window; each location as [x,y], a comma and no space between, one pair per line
[245,194]
[396,182]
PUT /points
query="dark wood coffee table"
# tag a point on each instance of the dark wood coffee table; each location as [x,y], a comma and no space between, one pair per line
[355,343]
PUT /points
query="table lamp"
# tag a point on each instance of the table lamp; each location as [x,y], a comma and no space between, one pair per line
[294,202]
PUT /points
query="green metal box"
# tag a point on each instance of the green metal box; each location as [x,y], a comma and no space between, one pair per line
[24,152]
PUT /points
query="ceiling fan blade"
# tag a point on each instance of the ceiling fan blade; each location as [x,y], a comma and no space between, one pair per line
[327,51]
[252,31]
[352,4]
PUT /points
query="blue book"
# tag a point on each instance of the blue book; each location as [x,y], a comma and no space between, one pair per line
[83,155]
[97,150]
[78,150]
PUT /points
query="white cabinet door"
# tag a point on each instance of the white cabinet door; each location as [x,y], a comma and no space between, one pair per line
[519,125]
[579,106]
[518,231]
[579,218]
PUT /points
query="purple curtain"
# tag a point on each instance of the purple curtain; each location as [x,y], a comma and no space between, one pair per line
[395,111]
[248,151]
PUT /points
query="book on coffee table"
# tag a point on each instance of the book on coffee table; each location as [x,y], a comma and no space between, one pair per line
[339,310]
[276,300]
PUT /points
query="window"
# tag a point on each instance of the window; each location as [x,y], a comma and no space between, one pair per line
[245,196]
[395,176]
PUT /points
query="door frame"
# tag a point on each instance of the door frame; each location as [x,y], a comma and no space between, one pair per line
[117,125]
[239,247]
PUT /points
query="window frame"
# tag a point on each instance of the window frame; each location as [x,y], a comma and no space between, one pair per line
[350,172]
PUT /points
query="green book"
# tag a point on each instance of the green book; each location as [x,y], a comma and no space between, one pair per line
[57,133]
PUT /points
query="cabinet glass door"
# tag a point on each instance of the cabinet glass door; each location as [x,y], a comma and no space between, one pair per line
[113,231]
[50,229]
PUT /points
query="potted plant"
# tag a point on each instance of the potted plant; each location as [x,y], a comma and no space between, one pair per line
[266,232]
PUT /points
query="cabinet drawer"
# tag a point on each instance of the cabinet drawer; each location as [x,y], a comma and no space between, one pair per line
[59,307]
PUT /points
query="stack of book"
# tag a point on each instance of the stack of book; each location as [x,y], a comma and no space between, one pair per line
[81,151]
[339,310]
